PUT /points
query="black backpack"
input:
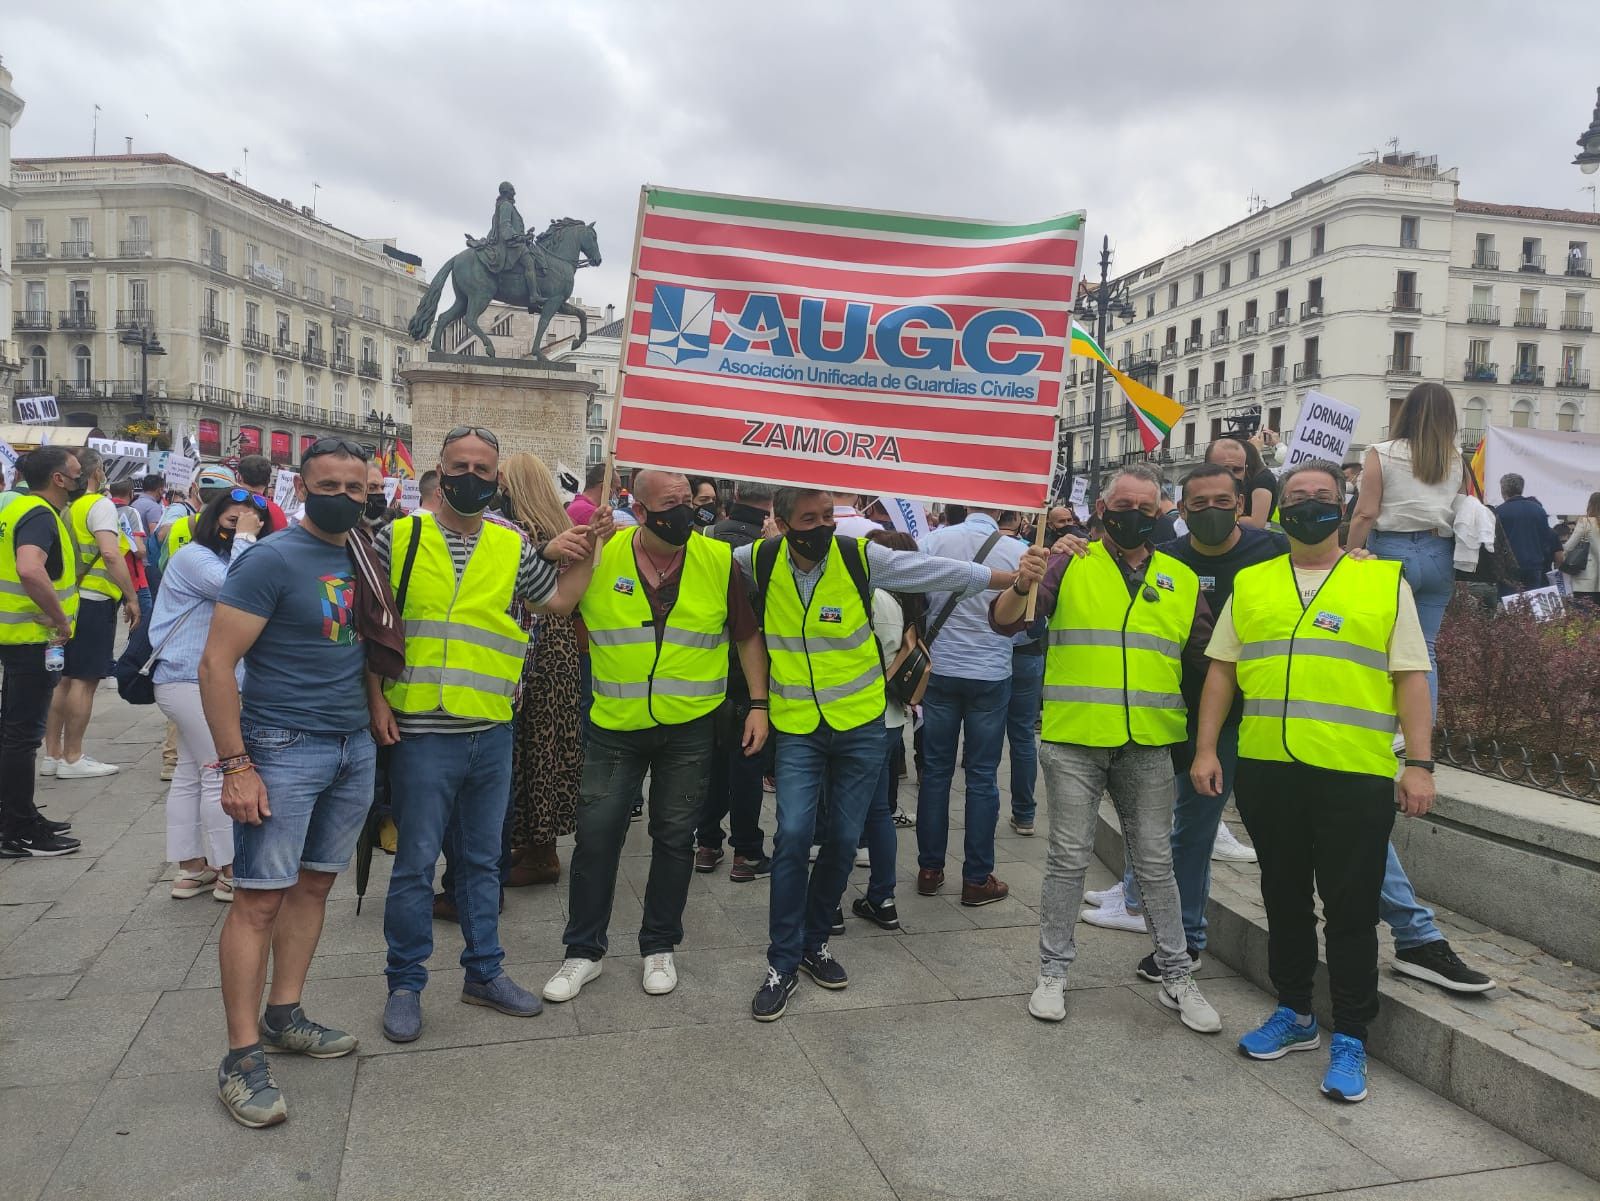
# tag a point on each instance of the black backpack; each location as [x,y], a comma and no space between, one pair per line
[765,558]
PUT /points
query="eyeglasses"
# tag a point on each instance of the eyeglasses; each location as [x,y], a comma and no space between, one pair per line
[333,446]
[241,495]
[475,431]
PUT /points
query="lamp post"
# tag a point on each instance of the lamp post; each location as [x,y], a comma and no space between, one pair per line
[1105,302]
[384,427]
[1588,160]
[143,339]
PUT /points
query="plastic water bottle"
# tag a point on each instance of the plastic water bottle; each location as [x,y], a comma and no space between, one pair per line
[55,657]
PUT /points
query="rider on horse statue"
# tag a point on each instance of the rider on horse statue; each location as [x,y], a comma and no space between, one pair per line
[506,247]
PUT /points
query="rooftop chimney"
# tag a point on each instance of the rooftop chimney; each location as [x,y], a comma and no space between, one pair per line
[129,145]
[611,313]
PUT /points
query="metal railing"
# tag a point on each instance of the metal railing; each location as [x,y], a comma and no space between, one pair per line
[369,369]
[30,319]
[286,349]
[1216,390]
[77,250]
[1273,377]
[1244,383]
[214,395]
[33,250]
[135,248]
[1310,369]
[1573,377]
[211,257]
[1169,350]
[342,362]
[1278,319]
[1310,310]
[1187,396]
[1486,260]
[254,339]
[1404,364]
[211,328]
[314,355]
[1527,373]
[136,318]
[1220,335]
[1483,314]
[1475,371]
[342,305]
[1193,343]
[1575,775]
[314,296]
[286,408]
[1408,241]
[1579,267]
[1532,262]
[1531,318]
[1407,302]
[1249,327]
[1578,321]
[76,319]
[368,313]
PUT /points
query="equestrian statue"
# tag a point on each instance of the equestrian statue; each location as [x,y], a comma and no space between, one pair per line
[513,267]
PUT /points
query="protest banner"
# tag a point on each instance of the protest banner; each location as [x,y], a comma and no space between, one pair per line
[391,485]
[1080,490]
[410,494]
[179,472]
[8,462]
[908,516]
[283,489]
[1324,430]
[37,410]
[1542,604]
[849,349]
[1559,467]
[121,460]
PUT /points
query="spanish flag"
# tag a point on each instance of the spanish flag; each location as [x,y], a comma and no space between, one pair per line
[400,463]
[1155,413]
[1475,471]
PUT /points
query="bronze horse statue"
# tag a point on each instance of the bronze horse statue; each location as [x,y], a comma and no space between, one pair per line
[564,247]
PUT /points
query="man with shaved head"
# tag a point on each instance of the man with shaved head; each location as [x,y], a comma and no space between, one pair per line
[661,609]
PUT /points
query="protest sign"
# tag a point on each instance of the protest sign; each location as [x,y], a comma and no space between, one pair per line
[391,485]
[283,489]
[1543,604]
[908,516]
[8,462]
[37,410]
[1325,429]
[410,495]
[1080,490]
[180,472]
[1559,467]
[847,349]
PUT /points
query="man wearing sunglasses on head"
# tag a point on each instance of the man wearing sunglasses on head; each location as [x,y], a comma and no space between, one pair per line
[1122,622]
[448,716]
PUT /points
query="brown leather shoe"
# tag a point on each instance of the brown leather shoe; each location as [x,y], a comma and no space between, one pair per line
[707,858]
[538,864]
[929,881]
[444,908]
[987,893]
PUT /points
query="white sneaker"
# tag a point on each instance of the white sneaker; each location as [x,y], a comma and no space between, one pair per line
[84,768]
[862,858]
[1193,1009]
[660,976]
[569,980]
[816,850]
[1101,897]
[1049,1000]
[1229,849]
[47,765]
[1115,917]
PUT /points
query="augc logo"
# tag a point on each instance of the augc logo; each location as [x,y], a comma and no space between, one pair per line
[680,324]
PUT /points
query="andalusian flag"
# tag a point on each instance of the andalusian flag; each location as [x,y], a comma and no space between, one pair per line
[400,463]
[1155,413]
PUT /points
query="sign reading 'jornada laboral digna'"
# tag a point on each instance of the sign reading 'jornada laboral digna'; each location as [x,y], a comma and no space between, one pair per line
[848,349]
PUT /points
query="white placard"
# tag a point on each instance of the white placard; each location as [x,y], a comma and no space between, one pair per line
[391,485]
[37,410]
[563,470]
[1324,430]
[907,516]
[283,489]
[8,462]
[410,495]
[1543,604]
[1558,467]
[180,472]
[1080,489]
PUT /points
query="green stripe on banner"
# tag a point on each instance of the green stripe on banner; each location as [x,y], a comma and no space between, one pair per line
[902,223]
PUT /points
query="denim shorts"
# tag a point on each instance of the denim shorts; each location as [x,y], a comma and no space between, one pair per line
[319,788]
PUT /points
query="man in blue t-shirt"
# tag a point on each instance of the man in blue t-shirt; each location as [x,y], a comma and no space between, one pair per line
[297,761]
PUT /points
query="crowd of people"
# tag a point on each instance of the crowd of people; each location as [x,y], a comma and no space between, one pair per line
[500,670]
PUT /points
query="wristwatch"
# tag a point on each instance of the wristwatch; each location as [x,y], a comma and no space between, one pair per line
[1425,764]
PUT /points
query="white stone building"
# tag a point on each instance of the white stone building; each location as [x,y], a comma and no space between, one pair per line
[10,113]
[1360,285]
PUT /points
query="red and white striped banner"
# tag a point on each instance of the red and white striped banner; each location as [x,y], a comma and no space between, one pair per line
[847,349]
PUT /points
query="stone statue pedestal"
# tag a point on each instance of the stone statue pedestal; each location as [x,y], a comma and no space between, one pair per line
[529,408]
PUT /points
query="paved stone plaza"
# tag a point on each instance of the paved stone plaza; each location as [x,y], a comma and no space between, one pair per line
[924,1079]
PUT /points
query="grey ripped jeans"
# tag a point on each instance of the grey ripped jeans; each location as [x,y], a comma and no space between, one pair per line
[1139,779]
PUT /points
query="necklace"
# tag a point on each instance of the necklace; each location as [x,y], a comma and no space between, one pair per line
[661,575]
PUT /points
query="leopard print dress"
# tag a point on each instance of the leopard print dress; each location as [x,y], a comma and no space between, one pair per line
[547,750]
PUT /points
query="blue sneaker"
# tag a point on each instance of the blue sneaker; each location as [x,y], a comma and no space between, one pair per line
[1280,1034]
[1346,1079]
[502,993]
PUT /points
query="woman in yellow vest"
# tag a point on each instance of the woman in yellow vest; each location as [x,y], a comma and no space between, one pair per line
[1330,657]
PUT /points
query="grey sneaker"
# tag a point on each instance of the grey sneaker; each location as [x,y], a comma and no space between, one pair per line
[505,994]
[1183,995]
[250,1094]
[302,1036]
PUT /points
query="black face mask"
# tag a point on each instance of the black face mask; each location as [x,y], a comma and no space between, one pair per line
[1129,528]
[813,543]
[336,514]
[1311,521]
[1211,527]
[376,507]
[705,515]
[1052,532]
[466,493]
[79,488]
[673,526]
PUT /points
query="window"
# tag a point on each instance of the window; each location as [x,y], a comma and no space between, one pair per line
[82,368]
[313,335]
[252,317]
[1252,264]
[369,351]
[1402,351]
[80,298]
[1319,239]
[1567,417]
[339,392]
[1250,312]
[1522,413]
[1172,295]
[252,378]
[1166,386]
[366,297]
[1275,417]
[1472,419]
[1310,357]
[1405,291]
[280,386]
[1285,251]
[366,402]
[1478,352]
[1199,284]
[1188,438]
[596,450]
[1408,232]
[1483,254]
[35,231]
[80,229]
[283,327]
[311,392]
[252,255]
[211,304]
[209,370]
[311,277]
[1194,333]
[35,298]
[341,343]
[280,447]
[1527,356]
[1224,274]
[1219,373]
[1172,335]
[1150,304]
[249,439]
[38,366]
[1216,428]
[341,287]
[1532,255]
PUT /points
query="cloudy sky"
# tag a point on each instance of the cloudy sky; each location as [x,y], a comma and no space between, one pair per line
[1158,118]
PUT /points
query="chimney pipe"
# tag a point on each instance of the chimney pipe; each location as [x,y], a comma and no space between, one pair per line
[129,142]
[611,313]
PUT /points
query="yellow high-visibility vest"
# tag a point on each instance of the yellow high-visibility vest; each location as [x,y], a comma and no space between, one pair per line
[1315,677]
[1114,663]
[22,621]
[91,564]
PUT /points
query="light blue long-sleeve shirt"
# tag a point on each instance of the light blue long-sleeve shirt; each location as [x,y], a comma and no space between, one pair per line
[966,647]
[192,580]
[895,570]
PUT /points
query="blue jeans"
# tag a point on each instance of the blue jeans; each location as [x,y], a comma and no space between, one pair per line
[1410,920]
[1194,831]
[1430,570]
[1022,716]
[950,706]
[447,788]
[802,903]
[877,833]
[319,788]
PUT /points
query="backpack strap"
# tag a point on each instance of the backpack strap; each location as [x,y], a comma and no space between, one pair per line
[949,605]
[855,562]
[763,560]
[405,568]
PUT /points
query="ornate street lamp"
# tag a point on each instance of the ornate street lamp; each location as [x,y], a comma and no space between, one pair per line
[1588,160]
[143,339]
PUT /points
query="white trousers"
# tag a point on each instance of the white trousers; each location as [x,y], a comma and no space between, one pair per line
[196,825]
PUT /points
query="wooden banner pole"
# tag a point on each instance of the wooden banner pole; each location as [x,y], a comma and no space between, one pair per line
[622,357]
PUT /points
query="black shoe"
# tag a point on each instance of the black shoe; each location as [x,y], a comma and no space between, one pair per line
[838,922]
[884,916]
[54,827]
[1436,963]
[822,967]
[1147,969]
[39,843]
[772,998]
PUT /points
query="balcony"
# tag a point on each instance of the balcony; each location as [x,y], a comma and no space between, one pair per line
[1404,364]
[253,402]
[1249,327]
[1278,318]
[1531,318]
[254,339]
[1216,390]
[32,250]
[1311,310]
[341,305]
[1528,373]
[1477,372]
[1273,377]
[1244,383]
[211,328]
[136,318]
[343,363]
[30,320]
[284,408]
[285,349]
[1578,267]
[1141,361]
[1169,350]
[1192,344]
[210,394]
[314,296]
[1533,263]
[1310,369]
[1486,260]
[316,413]
[1573,377]
[1220,335]
[368,313]
[1407,302]
[120,389]
[135,248]
[1483,314]
[77,318]
[1187,396]
[77,250]
[314,356]
[211,257]
[83,389]
[369,369]
[1578,321]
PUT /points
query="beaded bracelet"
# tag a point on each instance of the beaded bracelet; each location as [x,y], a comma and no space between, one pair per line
[231,765]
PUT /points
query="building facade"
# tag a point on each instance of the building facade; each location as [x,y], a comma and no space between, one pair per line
[1360,285]
[152,295]
[10,113]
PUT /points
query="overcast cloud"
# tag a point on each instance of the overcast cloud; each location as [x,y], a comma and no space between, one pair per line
[1160,119]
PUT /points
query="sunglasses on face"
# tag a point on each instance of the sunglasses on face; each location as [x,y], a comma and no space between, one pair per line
[474,431]
[241,495]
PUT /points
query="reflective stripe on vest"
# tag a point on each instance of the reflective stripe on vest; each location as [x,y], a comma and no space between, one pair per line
[640,681]
[22,621]
[1315,676]
[464,651]
[95,578]
[1113,663]
[824,658]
